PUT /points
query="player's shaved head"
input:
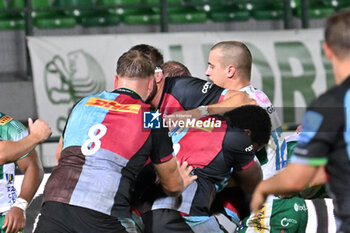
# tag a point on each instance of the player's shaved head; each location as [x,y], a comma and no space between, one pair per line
[237,54]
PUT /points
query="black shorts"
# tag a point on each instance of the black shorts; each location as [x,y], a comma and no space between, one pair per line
[56,217]
[165,221]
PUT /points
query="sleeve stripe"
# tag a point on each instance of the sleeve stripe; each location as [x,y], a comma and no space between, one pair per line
[167,158]
[248,165]
[23,156]
[308,161]
[223,95]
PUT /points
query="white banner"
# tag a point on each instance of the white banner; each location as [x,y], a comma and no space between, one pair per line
[287,65]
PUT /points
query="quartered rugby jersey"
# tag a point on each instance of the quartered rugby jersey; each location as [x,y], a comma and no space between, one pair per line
[214,152]
[205,153]
[325,140]
[11,130]
[104,148]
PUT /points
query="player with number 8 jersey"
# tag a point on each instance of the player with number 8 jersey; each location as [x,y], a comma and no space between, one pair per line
[104,147]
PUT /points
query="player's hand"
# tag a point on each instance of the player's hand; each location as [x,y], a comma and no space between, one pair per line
[39,129]
[299,129]
[250,101]
[258,199]
[243,98]
[185,172]
[14,220]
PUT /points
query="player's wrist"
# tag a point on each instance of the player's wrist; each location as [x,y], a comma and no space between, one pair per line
[21,203]
[203,110]
[37,137]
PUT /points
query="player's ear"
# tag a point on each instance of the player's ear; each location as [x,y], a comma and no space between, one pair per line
[327,51]
[115,81]
[159,76]
[231,70]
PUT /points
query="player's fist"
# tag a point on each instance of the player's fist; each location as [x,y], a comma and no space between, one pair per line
[39,129]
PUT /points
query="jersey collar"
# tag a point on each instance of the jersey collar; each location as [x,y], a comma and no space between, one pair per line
[128,91]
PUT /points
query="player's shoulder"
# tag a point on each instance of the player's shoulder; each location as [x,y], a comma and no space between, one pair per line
[334,97]
[8,120]
[238,140]
[12,128]
[258,95]
[184,81]
[4,119]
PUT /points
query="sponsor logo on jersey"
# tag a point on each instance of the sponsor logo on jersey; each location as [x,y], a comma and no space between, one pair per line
[262,97]
[5,119]
[206,86]
[113,105]
[9,177]
[299,207]
[270,109]
[11,193]
[259,219]
[249,148]
[285,221]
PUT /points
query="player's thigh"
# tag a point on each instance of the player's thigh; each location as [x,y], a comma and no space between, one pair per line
[58,217]
[165,221]
[51,219]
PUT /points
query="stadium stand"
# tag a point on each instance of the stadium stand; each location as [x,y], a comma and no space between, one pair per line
[43,16]
[55,14]
[9,20]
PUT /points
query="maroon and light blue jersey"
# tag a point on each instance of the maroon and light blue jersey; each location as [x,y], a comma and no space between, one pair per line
[104,148]
[215,153]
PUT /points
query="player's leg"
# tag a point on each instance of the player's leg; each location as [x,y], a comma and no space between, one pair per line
[53,219]
[56,217]
[164,221]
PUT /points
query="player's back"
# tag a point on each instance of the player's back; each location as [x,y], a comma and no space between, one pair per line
[325,137]
[215,152]
[104,148]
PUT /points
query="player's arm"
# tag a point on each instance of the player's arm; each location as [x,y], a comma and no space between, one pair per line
[33,175]
[248,178]
[232,99]
[10,151]
[320,177]
[59,149]
[193,93]
[293,178]
[173,177]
